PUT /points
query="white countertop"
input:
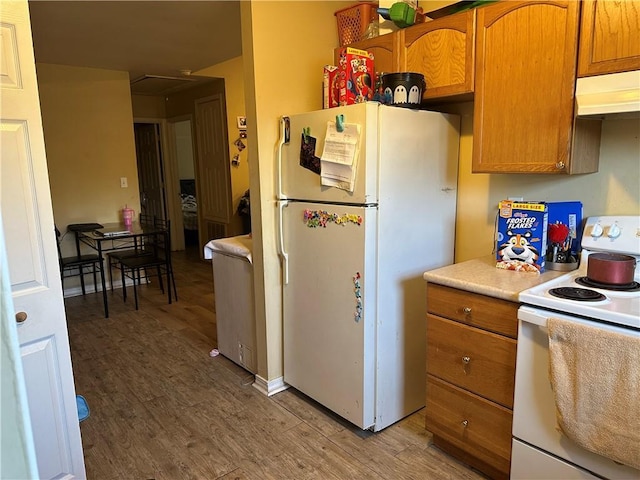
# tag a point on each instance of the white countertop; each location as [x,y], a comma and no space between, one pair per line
[480,275]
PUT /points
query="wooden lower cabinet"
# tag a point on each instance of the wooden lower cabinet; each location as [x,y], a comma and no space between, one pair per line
[479,428]
[471,356]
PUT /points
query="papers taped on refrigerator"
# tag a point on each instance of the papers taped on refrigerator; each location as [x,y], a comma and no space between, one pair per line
[339,160]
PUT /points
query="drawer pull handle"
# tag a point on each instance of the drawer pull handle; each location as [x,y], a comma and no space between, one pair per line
[466,310]
[465,423]
[465,364]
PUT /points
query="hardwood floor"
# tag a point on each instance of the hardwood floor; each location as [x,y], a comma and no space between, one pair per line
[162,408]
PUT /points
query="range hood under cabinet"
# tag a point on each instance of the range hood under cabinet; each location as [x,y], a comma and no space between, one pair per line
[610,95]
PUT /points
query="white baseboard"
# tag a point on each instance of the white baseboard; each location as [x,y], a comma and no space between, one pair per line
[89,288]
[269,387]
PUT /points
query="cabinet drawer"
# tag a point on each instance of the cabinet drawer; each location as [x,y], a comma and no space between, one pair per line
[473,359]
[481,311]
[478,427]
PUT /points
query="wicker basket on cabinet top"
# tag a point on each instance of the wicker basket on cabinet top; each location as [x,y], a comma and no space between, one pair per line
[353,21]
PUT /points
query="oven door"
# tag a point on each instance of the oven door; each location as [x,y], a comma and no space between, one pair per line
[539,450]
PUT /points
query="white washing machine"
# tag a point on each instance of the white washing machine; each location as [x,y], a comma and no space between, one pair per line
[234,300]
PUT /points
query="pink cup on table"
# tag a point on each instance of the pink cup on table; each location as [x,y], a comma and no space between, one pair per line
[127,216]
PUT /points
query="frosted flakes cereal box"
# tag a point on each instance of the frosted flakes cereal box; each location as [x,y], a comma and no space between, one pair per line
[356,76]
[522,235]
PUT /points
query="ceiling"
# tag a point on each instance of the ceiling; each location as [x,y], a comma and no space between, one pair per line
[158,42]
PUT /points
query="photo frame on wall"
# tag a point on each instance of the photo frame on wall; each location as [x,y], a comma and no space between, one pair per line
[242,123]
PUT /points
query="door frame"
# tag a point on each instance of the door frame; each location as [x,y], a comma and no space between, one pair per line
[172,178]
[170,181]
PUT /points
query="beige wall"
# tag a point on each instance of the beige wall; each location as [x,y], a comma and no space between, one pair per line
[184,150]
[88,131]
[281,77]
[148,106]
[233,74]
[614,190]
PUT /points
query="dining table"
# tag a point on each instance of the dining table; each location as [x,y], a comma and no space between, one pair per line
[110,237]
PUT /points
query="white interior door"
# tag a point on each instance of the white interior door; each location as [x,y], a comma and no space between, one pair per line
[213,179]
[27,218]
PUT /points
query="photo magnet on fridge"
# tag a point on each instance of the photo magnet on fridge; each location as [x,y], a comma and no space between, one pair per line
[308,157]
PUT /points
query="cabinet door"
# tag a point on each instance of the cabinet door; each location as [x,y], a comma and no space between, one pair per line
[443,51]
[384,51]
[609,37]
[526,55]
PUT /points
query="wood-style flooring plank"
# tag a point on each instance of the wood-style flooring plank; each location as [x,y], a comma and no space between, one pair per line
[319,417]
[163,409]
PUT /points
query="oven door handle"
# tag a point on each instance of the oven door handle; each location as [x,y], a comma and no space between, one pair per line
[533,316]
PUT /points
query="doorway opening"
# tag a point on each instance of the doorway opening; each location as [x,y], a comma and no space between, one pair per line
[183,166]
[166,176]
[183,138]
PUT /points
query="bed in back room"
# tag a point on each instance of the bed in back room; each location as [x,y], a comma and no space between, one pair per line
[189,210]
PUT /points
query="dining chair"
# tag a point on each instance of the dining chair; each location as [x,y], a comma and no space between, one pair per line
[77,266]
[114,257]
[159,259]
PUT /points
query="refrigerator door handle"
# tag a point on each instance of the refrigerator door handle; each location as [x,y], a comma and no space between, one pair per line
[284,255]
[284,138]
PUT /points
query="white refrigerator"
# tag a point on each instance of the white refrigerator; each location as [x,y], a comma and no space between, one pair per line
[354,299]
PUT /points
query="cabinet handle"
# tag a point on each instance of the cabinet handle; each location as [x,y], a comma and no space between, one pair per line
[466,310]
[21,317]
[560,165]
[465,364]
[465,423]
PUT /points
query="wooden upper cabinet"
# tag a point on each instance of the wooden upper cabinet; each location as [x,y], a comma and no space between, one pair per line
[384,49]
[443,51]
[526,56]
[609,37]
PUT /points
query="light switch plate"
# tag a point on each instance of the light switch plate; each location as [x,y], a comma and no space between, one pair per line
[123,182]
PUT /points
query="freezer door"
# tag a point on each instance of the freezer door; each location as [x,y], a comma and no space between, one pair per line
[329,308]
[302,181]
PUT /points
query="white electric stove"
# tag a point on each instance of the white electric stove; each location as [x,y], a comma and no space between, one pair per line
[539,450]
[610,303]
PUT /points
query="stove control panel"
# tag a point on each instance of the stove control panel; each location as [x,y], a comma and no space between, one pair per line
[620,234]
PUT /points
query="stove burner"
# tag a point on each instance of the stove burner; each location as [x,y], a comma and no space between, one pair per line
[579,294]
[627,287]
